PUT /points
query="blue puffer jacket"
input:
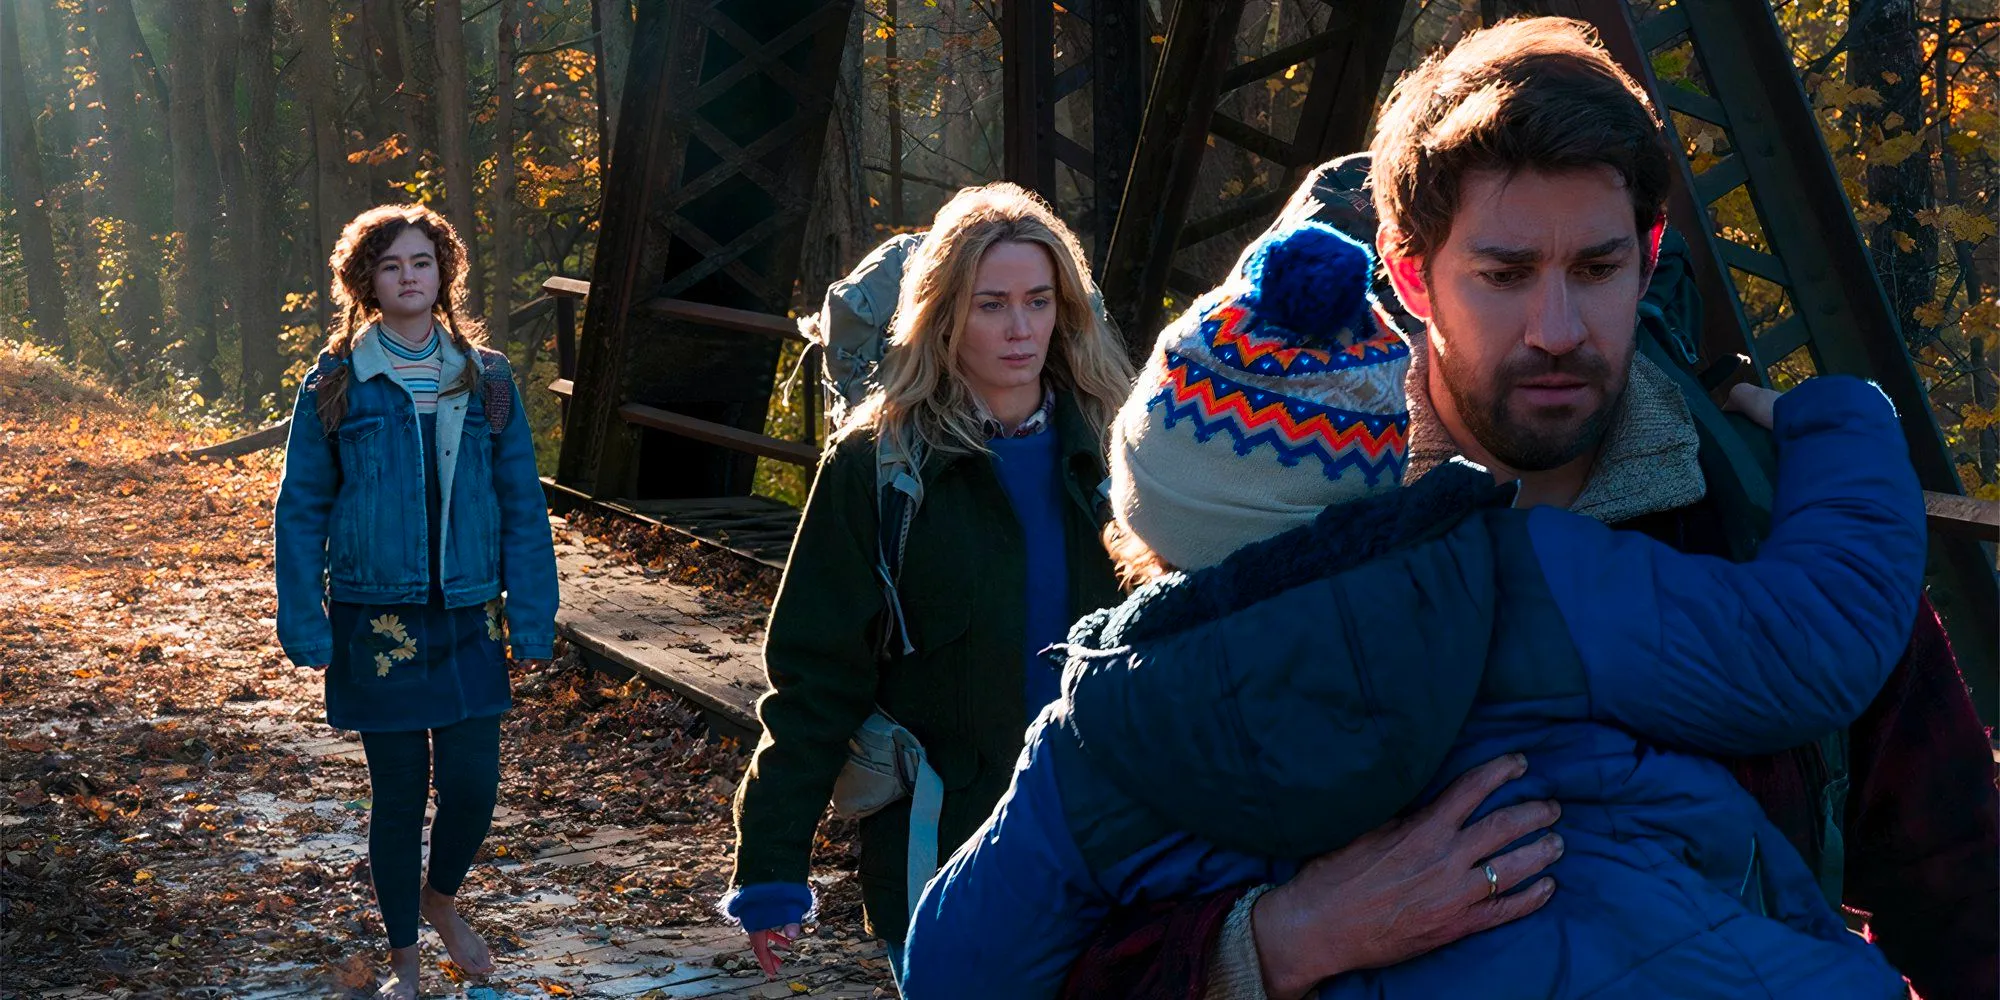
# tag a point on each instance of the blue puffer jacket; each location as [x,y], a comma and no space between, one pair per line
[1219,726]
[350,520]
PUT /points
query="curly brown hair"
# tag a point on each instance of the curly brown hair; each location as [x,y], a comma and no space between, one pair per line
[362,242]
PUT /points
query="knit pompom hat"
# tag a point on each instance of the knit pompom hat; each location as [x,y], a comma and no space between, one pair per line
[1273,397]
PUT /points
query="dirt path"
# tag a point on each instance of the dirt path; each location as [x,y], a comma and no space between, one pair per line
[178,821]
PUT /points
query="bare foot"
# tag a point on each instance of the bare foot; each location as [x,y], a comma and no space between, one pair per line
[467,949]
[404,967]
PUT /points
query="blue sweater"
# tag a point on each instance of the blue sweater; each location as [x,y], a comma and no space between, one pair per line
[1027,470]
[1318,683]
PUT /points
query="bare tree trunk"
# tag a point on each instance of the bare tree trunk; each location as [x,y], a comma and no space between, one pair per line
[613,21]
[50,80]
[850,107]
[1889,58]
[1978,359]
[391,132]
[245,283]
[895,126]
[420,85]
[448,32]
[323,103]
[194,201]
[29,194]
[125,81]
[505,240]
[256,307]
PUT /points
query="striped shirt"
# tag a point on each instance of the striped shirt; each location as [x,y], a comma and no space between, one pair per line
[418,369]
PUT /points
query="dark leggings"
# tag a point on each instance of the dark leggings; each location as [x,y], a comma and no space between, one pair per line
[467,755]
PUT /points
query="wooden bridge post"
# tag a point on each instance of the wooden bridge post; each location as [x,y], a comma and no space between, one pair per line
[1112,65]
[1348,59]
[1813,252]
[710,183]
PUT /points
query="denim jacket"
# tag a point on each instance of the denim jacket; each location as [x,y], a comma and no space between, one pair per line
[350,519]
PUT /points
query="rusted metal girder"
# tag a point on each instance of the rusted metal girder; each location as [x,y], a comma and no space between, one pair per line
[1813,251]
[1111,65]
[711,180]
[1347,56]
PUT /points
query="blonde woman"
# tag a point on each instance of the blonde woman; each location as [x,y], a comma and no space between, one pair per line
[1003,378]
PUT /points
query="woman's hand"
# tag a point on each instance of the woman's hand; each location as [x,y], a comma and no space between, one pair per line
[1412,885]
[1754,402]
[766,944]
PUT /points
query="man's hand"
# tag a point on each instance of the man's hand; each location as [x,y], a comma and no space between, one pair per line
[766,944]
[1413,885]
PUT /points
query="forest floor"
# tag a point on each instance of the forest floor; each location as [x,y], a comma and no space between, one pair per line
[177,819]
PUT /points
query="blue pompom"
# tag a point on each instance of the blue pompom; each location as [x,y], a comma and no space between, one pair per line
[1312,280]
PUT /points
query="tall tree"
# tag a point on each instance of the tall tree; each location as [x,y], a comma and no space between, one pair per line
[506,242]
[29,195]
[247,282]
[391,132]
[895,102]
[49,80]
[448,33]
[256,304]
[195,187]
[612,20]
[130,91]
[323,103]
[420,80]
[1979,359]
[1884,54]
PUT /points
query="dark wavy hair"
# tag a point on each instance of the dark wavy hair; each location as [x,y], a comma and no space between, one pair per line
[1537,93]
[362,242]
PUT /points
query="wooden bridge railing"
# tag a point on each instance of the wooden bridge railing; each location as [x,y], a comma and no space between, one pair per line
[1948,513]
[567,291]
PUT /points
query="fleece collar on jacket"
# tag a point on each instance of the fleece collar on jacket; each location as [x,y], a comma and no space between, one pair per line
[370,359]
[1340,538]
[1650,461]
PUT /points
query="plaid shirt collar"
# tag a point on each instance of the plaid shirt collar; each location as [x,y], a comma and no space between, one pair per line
[1037,421]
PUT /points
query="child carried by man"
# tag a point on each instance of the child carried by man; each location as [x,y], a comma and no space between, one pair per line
[1331,648]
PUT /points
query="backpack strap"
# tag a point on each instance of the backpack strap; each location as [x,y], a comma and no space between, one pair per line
[496,383]
[325,366]
[899,493]
[1832,867]
[926,805]
[323,369]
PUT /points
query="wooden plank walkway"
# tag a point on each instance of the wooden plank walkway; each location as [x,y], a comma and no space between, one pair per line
[672,636]
[756,528]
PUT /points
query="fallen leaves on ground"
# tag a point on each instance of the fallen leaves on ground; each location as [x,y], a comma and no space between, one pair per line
[177,814]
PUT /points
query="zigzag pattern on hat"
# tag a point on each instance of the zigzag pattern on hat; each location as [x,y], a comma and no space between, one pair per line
[1231,328]
[1375,445]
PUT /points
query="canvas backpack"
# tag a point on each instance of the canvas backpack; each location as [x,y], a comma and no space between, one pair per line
[852,331]
[885,763]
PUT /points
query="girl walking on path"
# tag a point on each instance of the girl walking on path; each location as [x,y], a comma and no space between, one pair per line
[413,557]
[1002,377]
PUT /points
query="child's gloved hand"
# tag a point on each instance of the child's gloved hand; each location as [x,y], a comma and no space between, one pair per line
[1753,401]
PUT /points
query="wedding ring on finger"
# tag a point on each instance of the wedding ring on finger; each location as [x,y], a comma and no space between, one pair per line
[1492,881]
